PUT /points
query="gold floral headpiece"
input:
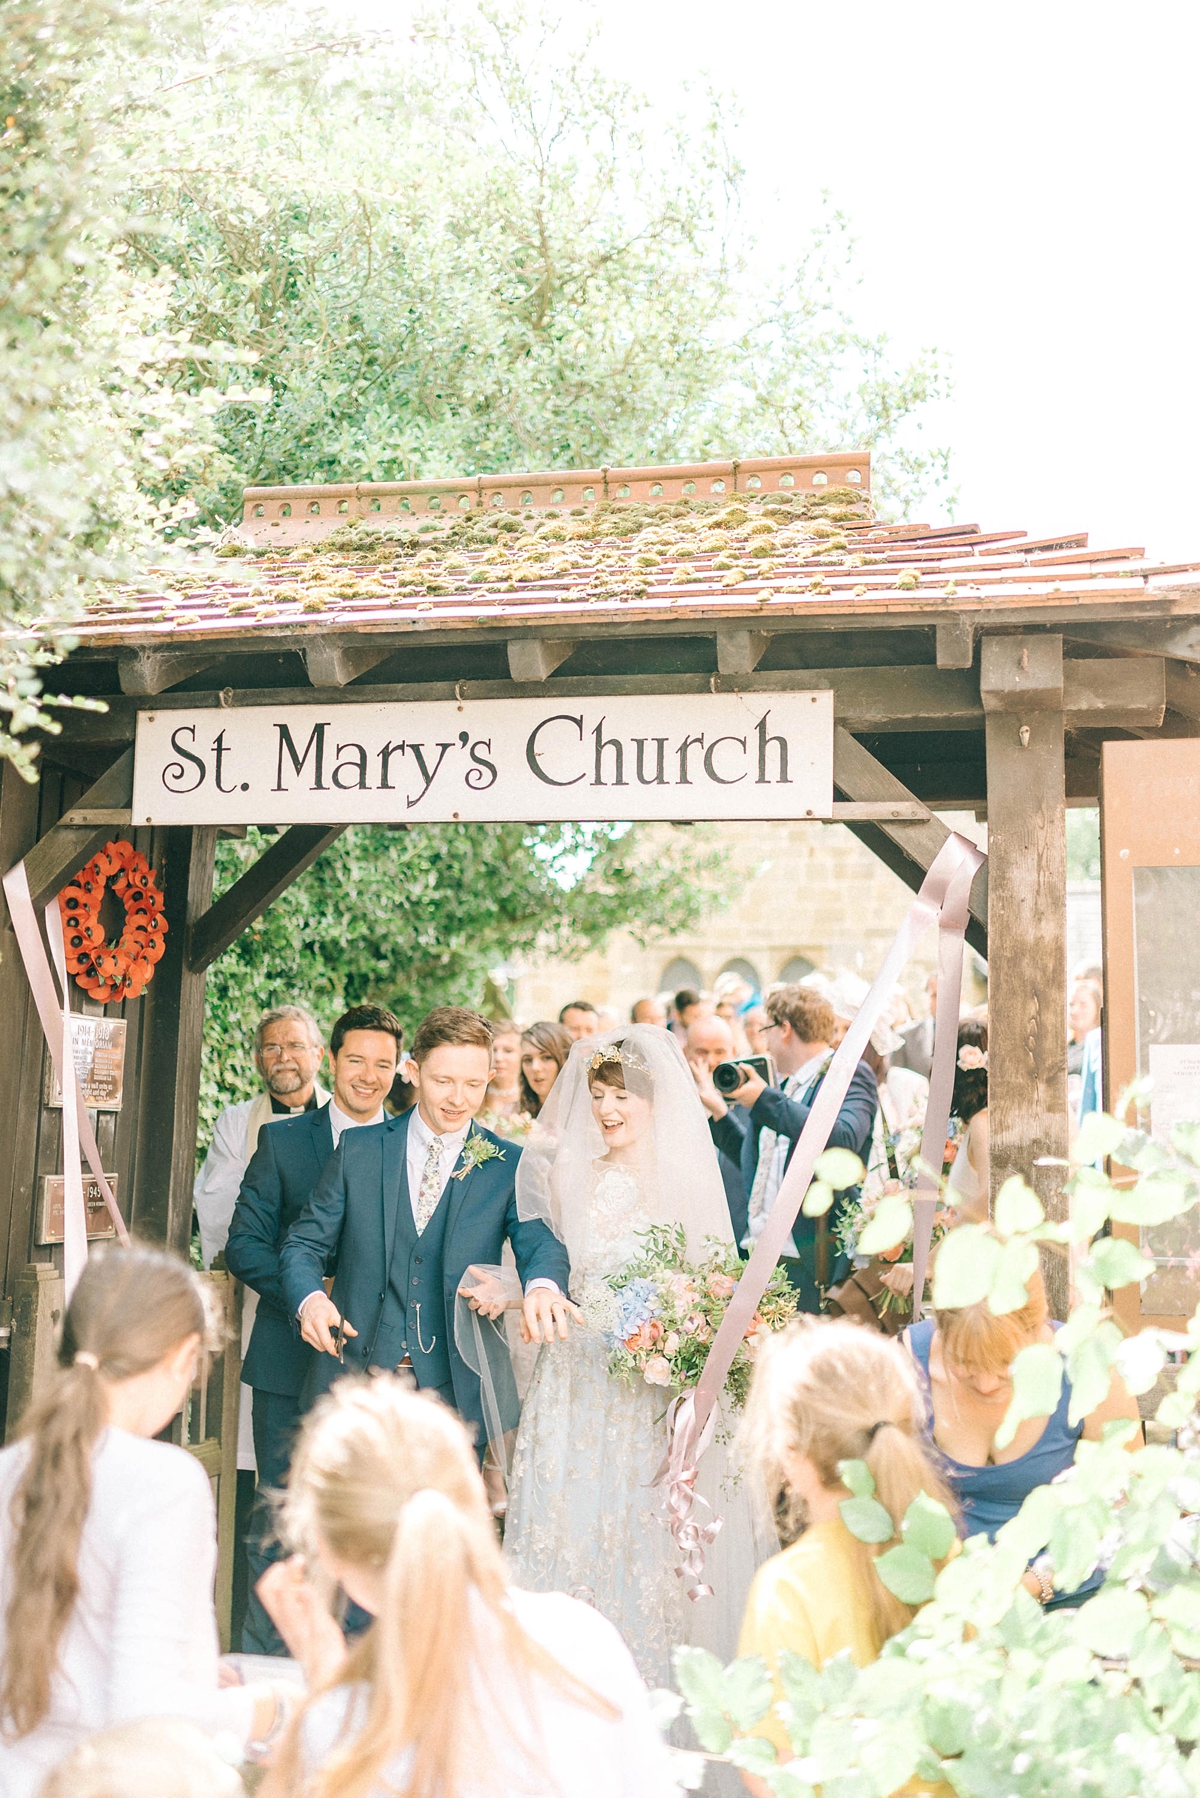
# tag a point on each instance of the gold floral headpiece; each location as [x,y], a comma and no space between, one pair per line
[628,1058]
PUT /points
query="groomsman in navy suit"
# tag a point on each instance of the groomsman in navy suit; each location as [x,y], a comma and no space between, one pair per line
[406,1210]
[278,1184]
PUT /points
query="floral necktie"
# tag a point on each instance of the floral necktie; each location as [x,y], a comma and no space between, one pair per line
[431,1185]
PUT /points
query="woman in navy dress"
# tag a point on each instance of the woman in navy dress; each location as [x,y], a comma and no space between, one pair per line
[965,1357]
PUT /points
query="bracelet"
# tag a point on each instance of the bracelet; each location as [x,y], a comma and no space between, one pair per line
[258,1749]
[1042,1569]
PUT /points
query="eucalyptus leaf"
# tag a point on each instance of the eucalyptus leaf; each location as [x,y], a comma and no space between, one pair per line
[907,1573]
[891,1224]
[839,1168]
[1037,1376]
[1018,1207]
[817,1200]
[867,1519]
[965,1267]
[929,1527]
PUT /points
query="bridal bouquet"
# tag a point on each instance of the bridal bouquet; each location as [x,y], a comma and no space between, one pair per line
[659,1315]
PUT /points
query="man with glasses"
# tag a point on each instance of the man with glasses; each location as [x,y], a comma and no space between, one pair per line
[797,1035]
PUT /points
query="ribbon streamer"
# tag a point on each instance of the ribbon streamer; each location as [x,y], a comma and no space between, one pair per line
[943,899]
[55,1016]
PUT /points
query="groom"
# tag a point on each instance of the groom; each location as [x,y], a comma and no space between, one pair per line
[404,1208]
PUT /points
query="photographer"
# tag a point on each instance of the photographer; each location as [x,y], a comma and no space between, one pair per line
[710,1042]
[797,1036]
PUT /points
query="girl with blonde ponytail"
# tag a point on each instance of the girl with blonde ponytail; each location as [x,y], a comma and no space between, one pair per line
[826,1392]
[108,1538]
[464,1685]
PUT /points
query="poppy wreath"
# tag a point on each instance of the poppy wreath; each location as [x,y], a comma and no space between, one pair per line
[122,970]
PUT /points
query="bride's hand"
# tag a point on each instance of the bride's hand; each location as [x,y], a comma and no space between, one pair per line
[545,1311]
[485,1293]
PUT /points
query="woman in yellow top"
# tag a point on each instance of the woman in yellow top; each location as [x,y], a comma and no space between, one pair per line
[824,1393]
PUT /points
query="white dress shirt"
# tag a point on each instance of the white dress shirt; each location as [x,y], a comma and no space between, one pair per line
[419,1138]
[338,1121]
[141,1639]
[795,1087]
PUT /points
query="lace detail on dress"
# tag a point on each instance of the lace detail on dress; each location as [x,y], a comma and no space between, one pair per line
[617,1212]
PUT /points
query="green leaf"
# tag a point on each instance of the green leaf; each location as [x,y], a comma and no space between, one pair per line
[1116,1262]
[858,1477]
[1099,1135]
[890,1756]
[891,1224]
[1175,1410]
[747,1691]
[839,1168]
[1009,1290]
[701,1679]
[785,1782]
[948,1722]
[817,1199]
[1185,1140]
[929,1527]
[1111,1623]
[1156,1199]
[1018,1207]
[1037,1374]
[965,1268]
[907,1573]
[754,1753]
[1089,1366]
[1140,1360]
[867,1519]
[1089,1206]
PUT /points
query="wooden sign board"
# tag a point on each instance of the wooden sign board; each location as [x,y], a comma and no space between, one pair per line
[98,1045]
[52,1210]
[678,756]
[1150,843]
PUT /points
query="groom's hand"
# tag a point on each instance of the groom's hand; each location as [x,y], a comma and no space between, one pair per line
[317,1314]
[544,1314]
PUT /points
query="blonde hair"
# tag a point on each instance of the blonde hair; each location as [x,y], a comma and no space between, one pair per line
[387,1480]
[159,1757]
[833,1392]
[132,1306]
[978,1341]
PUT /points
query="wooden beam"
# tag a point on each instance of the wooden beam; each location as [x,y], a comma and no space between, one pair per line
[740,652]
[65,847]
[1182,688]
[212,931]
[145,671]
[111,817]
[1120,695]
[1027,953]
[907,848]
[172,1022]
[337,664]
[955,642]
[536,658]
[905,811]
[1021,674]
[1156,637]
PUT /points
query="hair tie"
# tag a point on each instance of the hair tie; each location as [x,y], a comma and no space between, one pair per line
[85,1358]
[884,1424]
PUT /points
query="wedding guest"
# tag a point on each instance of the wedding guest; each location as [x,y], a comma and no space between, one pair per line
[967,1185]
[917,1052]
[649,1011]
[709,1041]
[965,1358]
[108,1538]
[754,1022]
[824,1393]
[466,1684]
[158,1758]
[688,1006]
[544,1050]
[764,1129]
[1083,1016]
[504,1087]
[579,1018]
[364,1048]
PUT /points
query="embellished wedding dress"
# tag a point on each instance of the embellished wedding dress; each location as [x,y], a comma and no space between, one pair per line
[583,1516]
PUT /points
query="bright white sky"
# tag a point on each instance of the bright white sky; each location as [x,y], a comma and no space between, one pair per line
[1022,182]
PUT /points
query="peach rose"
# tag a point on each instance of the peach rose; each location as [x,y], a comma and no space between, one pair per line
[721,1286]
[671,1343]
[645,1336]
[657,1371]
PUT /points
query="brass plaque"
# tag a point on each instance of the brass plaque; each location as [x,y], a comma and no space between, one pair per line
[99,1048]
[51,1212]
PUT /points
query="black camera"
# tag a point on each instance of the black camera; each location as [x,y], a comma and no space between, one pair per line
[727,1076]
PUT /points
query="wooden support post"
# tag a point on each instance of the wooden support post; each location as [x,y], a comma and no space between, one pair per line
[1027,920]
[955,642]
[173,1021]
[37,1312]
[908,849]
[248,898]
[65,847]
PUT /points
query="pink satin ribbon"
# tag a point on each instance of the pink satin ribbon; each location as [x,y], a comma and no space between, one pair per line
[943,899]
[55,1014]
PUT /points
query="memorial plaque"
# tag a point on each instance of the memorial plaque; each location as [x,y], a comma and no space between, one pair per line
[99,1048]
[51,1212]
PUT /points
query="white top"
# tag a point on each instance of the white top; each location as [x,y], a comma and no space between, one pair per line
[141,1640]
[584,1755]
[968,1177]
[339,1121]
[794,1086]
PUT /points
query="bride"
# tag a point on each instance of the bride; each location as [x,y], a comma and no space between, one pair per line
[621,1145]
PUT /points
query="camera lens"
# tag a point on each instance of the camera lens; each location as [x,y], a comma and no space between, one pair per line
[727,1076]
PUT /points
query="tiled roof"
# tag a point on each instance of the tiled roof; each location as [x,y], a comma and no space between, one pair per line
[769,540]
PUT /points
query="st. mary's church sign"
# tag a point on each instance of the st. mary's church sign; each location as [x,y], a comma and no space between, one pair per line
[685,756]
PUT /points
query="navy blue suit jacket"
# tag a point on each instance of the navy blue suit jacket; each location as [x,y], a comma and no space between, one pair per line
[352,1216]
[277,1185]
[736,1134]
